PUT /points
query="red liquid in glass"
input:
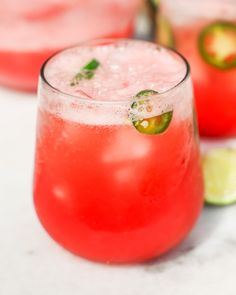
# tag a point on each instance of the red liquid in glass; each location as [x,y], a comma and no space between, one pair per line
[215,89]
[111,194]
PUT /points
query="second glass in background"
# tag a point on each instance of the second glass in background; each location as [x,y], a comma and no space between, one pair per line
[205,32]
[31,31]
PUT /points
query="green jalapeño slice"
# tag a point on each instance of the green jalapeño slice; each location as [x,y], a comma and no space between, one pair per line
[153,125]
[217,45]
[86,72]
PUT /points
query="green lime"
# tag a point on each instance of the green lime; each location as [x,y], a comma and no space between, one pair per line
[219,170]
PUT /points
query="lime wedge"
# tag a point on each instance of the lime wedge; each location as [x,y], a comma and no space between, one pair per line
[219,170]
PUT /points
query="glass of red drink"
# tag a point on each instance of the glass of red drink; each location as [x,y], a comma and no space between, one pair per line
[205,32]
[117,168]
[31,31]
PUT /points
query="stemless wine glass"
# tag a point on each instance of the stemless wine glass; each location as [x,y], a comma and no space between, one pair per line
[205,32]
[117,169]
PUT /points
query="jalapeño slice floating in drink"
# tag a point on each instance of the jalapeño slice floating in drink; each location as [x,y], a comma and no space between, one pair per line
[217,45]
[153,125]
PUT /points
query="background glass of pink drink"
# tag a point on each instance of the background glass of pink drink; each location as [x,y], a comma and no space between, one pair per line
[103,189]
[215,87]
[31,31]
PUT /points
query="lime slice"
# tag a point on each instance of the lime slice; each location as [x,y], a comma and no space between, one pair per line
[219,170]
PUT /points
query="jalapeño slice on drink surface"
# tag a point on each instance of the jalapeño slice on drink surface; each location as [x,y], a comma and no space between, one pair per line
[217,45]
[153,125]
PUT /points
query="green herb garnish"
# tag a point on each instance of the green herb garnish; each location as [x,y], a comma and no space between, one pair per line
[87,72]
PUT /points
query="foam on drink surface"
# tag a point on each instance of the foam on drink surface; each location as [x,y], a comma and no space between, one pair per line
[126,68]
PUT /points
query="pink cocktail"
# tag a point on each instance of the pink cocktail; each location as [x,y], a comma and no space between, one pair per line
[31,31]
[117,168]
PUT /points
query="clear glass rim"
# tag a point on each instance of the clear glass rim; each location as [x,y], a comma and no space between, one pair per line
[99,101]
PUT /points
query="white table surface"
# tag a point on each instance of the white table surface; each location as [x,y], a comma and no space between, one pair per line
[32,264]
